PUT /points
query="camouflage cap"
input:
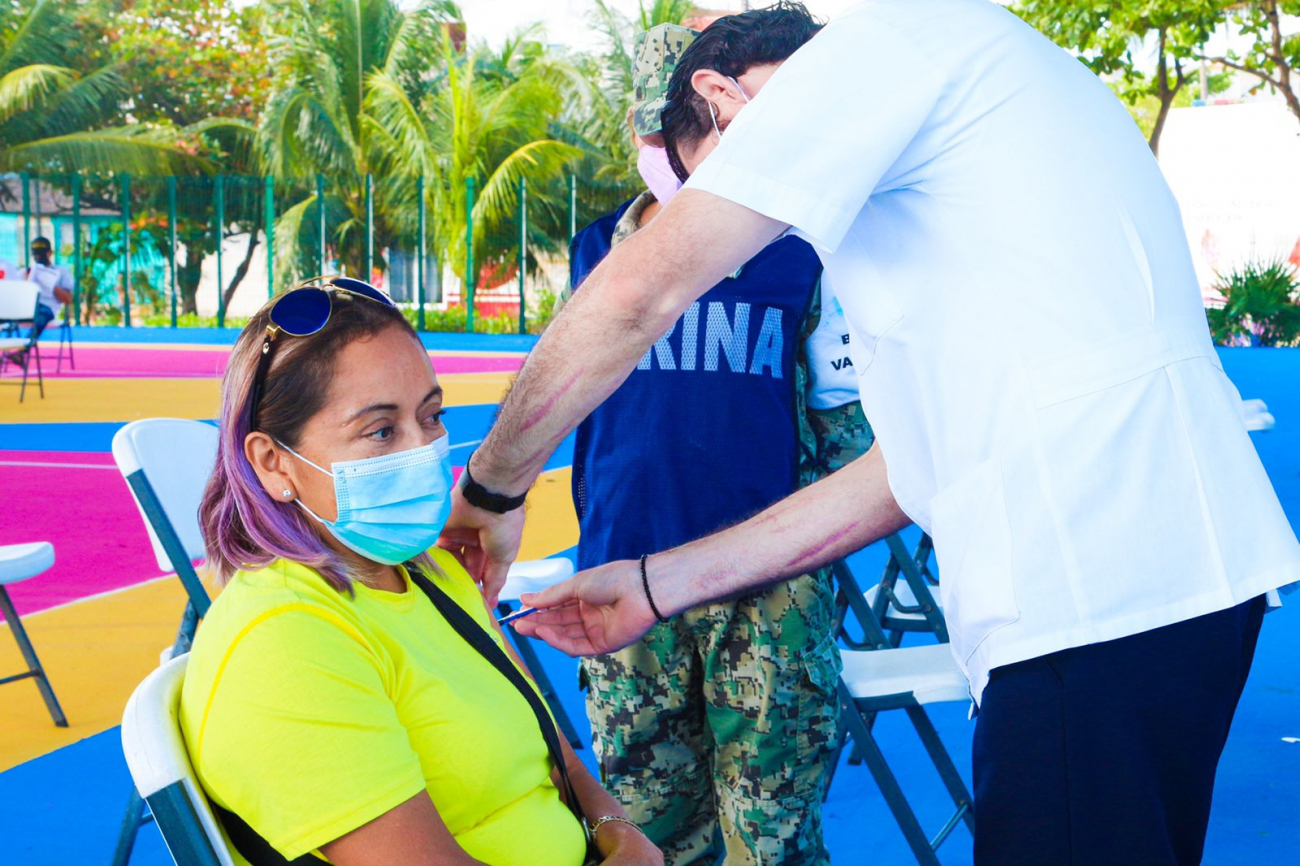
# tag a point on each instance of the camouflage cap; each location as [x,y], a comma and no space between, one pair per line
[658,51]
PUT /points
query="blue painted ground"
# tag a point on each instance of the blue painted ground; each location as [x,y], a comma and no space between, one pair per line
[65,807]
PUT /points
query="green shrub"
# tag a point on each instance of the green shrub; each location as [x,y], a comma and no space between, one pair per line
[191,320]
[453,320]
[1261,305]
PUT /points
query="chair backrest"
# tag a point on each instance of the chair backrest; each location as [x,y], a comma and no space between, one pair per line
[160,767]
[176,456]
[18,299]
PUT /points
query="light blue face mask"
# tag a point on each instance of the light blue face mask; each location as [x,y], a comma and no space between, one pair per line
[390,508]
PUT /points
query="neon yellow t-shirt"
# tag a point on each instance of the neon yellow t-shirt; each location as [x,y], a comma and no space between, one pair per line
[309,713]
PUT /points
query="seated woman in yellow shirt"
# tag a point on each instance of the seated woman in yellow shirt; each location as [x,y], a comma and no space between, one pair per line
[328,704]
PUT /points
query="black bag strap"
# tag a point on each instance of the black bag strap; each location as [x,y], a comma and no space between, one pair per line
[253,847]
[480,639]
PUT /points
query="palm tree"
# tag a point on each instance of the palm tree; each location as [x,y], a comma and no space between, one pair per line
[55,116]
[491,117]
[317,121]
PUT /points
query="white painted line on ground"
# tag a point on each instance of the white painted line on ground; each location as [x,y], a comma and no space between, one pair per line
[58,465]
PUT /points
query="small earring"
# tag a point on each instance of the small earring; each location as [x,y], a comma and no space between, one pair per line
[288,494]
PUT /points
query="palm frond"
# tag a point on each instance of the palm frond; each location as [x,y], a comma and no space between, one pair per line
[105,151]
[538,159]
[90,101]
[25,87]
[42,37]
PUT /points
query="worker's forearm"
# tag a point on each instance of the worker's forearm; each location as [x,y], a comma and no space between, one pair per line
[817,525]
[626,304]
[580,360]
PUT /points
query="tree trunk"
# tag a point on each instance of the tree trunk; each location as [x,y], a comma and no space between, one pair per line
[1279,59]
[1164,93]
[242,270]
[187,280]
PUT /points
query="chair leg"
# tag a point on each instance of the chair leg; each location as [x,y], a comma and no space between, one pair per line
[534,665]
[886,781]
[131,822]
[943,762]
[40,378]
[29,655]
[22,391]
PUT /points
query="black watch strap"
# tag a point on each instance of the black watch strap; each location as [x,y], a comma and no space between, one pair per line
[480,497]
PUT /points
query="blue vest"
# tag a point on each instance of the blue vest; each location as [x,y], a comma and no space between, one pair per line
[703,433]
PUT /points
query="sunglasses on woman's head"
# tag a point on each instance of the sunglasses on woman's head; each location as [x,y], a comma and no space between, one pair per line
[300,312]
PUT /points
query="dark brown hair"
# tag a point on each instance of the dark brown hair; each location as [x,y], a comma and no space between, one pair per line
[732,45]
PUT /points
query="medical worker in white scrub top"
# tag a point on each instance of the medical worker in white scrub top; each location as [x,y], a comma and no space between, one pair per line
[1035,361]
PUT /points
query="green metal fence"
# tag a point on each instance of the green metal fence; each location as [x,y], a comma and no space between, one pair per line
[209,250]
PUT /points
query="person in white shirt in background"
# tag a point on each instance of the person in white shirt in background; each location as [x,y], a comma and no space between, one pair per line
[55,282]
[1036,363]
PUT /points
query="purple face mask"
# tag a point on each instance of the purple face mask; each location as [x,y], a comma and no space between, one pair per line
[658,175]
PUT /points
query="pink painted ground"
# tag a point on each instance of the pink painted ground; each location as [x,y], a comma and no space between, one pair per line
[102,361]
[88,515]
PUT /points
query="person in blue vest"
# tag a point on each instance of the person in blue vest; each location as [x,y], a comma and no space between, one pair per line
[720,724]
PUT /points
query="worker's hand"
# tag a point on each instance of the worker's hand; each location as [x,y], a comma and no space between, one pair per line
[595,611]
[484,542]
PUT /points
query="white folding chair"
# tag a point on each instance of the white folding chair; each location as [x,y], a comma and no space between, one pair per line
[1257,416]
[19,562]
[18,300]
[896,607]
[907,678]
[166,463]
[880,676]
[161,770]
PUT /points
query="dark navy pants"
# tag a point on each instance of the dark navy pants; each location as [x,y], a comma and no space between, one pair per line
[1105,755]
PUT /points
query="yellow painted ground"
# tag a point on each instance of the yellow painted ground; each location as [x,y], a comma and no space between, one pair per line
[97,651]
[89,400]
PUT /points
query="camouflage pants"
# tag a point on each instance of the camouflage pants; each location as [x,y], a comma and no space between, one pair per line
[720,726]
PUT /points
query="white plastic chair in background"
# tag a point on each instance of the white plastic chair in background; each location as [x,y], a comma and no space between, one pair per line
[1257,416]
[161,770]
[18,562]
[18,299]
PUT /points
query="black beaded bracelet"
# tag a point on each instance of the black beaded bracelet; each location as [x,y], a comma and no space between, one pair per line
[645,582]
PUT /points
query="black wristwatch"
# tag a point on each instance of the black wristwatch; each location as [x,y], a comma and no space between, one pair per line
[480,497]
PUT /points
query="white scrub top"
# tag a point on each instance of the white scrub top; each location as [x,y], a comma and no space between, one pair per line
[49,277]
[1027,326]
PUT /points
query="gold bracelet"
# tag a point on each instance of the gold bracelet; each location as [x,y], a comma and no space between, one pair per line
[593,826]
